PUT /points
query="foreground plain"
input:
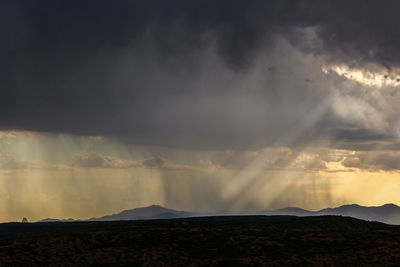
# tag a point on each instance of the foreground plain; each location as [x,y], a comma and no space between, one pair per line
[204,241]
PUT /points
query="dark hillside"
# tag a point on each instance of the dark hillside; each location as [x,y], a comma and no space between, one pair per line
[232,240]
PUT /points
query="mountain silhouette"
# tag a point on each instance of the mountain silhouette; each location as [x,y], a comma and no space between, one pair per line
[151,212]
[388,213]
[49,220]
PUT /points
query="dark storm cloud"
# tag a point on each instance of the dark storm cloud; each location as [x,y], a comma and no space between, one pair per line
[146,71]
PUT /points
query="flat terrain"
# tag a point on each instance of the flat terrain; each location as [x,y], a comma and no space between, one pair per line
[206,241]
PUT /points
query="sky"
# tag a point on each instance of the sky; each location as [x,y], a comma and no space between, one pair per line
[197,105]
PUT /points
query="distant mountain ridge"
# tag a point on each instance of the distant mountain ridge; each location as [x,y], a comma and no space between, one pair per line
[57,220]
[150,212]
[388,213]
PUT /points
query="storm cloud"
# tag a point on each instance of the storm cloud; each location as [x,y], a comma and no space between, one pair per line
[204,74]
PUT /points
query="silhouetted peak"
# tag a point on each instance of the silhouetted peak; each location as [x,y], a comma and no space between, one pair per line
[149,212]
[351,206]
[390,205]
[155,206]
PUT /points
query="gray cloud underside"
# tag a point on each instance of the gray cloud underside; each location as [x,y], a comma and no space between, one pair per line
[87,160]
[204,74]
[377,160]
[98,160]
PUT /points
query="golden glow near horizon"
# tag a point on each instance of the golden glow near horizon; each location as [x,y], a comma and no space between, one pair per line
[95,176]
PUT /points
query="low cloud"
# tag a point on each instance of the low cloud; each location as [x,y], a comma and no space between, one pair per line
[232,159]
[154,163]
[374,160]
[270,159]
[98,160]
[8,161]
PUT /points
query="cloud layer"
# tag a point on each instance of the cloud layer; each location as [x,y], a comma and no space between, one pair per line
[209,74]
